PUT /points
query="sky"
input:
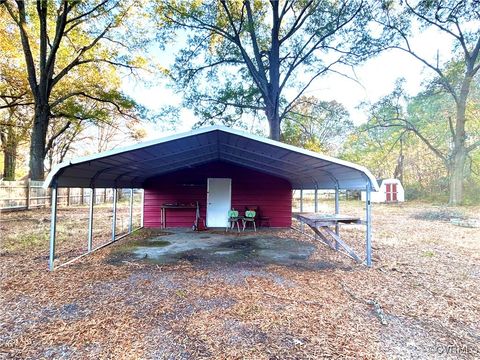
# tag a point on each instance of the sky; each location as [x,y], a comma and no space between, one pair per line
[376,78]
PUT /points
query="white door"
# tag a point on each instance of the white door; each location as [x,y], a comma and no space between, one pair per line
[219,192]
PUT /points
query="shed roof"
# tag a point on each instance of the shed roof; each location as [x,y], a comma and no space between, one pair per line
[133,165]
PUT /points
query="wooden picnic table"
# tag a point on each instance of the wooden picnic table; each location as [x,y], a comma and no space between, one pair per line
[326,219]
[321,223]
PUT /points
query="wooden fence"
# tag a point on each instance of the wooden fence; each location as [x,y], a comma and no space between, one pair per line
[30,194]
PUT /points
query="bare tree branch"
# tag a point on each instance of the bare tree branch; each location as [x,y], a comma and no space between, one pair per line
[77,61]
[54,137]
[305,87]
[473,146]
[299,21]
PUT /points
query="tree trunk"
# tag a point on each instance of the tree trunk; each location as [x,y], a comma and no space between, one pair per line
[274,123]
[9,160]
[457,177]
[9,141]
[457,168]
[38,142]
[273,102]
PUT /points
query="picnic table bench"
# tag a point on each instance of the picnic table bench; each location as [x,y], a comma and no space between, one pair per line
[321,223]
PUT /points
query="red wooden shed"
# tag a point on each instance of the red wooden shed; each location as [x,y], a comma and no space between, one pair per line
[218,167]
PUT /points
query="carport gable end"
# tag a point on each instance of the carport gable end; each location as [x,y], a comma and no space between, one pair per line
[131,166]
[278,168]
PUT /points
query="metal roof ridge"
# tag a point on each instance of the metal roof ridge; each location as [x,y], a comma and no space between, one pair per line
[141,145]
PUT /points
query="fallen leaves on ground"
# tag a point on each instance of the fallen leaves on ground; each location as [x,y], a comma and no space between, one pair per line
[420,299]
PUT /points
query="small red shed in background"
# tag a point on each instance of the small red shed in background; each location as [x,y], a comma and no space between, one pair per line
[390,191]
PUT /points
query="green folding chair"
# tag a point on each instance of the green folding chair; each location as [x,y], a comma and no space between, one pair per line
[249,218]
[233,219]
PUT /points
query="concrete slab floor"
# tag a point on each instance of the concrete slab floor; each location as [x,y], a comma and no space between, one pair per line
[216,246]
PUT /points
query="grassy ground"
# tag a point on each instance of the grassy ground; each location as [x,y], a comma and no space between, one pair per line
[420,300]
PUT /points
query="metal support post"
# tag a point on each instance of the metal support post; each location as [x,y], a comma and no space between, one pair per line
[301,208]
[130,219]
[369,224]
[337,201]
[316,206]
[337,212]
[301,200]
[53,227]
[90,220]
[142,205]
[29,186]
[114,217]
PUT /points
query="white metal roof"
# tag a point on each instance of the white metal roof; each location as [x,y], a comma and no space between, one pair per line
[133,165]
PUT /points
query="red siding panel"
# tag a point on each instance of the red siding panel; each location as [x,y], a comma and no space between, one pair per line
[272,195]
[394,192]
[388,192]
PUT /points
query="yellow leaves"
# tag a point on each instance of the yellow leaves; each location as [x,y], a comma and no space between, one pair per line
[313,145]
[472,114]
[214,42]
[138,62]
[9,37]
[12,61]
[196,4]
[259,5]
[163,70]
[138,133]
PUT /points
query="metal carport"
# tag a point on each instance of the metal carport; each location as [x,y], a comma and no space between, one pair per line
[132,166]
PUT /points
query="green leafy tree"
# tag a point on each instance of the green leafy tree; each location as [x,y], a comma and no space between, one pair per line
[459,22]
[473,180]
[258,58]
[429,116]
[77,118]
[377,148]
[317,125]
[67,47]
[393,152]
[14,131]
[15,101]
